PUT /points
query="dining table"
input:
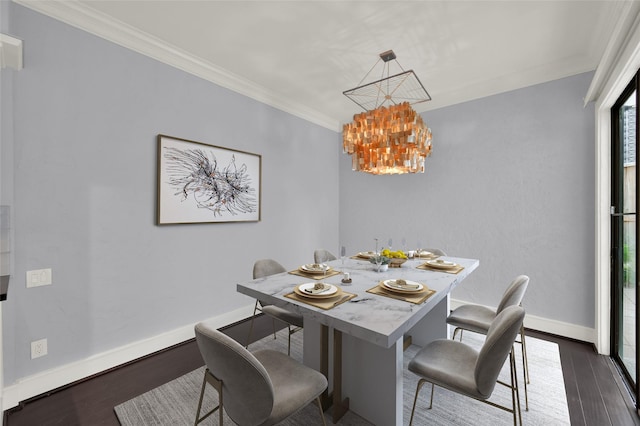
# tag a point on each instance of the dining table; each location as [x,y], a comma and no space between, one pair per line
[356,335]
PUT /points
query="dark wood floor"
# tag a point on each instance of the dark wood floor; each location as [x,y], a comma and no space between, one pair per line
[595,393]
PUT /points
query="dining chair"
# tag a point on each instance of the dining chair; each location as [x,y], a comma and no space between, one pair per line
[259,388]
[478,319]
[263,268]
[322,255]
[462,369]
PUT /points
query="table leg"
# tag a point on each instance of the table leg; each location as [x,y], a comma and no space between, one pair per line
[325,398]
[340,406]
[433,326]
[372,380]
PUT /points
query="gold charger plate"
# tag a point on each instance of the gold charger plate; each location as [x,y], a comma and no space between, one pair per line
[311,269]
[416,298]
[441,264]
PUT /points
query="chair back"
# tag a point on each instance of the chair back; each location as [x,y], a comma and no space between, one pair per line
[265,267]
[496,348]
[514,293]
[436,251]
[321,255]
[246,387]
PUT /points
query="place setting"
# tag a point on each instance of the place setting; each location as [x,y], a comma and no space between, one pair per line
[424,254]
[315,271]
[441,265]
[409,291]
[321,295]
[364,255]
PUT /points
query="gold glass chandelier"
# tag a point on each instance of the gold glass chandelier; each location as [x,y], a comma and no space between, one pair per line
[390,137]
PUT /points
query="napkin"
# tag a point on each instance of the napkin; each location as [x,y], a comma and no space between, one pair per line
[318,288]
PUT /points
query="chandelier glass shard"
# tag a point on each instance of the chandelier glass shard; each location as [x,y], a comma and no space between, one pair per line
[390,137]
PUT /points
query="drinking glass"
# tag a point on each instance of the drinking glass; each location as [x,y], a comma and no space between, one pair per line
[343,252]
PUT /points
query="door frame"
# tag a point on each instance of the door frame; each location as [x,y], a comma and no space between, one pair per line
[622,63]
[617,232]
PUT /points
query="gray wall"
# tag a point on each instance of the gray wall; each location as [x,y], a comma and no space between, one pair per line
[510,182]
[86,114]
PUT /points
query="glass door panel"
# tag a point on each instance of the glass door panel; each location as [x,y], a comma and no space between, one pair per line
[627,336]
[624,235]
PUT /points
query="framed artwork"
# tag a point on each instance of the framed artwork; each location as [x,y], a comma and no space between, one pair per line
[201,183]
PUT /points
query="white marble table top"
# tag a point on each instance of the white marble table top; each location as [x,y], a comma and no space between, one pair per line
[378,319]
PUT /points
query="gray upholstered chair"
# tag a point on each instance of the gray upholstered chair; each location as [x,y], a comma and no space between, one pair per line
[460,368]
[322,255]
[263,268]
[259,388]
[478,318]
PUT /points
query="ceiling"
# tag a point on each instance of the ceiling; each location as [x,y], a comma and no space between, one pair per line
[300,56]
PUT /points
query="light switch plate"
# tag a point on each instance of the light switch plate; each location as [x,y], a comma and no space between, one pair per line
[38,277]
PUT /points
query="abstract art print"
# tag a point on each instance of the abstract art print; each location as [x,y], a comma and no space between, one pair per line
[201,183]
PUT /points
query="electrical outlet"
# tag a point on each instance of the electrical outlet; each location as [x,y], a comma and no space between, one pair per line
[38,348]
[38,277]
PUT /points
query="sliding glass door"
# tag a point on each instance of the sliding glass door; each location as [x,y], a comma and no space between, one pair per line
[624,235]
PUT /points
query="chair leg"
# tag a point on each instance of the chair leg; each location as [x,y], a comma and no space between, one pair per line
[204,385]
[515,393]
[455,331]
[321,412]
[433,390]
[525,359]
[525,368]
[255,309]
[289,344]
[220,406]
[217,385]
[415,399]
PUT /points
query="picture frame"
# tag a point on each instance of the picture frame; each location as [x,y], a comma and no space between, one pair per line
[203,183]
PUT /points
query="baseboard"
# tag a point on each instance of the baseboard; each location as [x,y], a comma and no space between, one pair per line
[46,381]
[559,328]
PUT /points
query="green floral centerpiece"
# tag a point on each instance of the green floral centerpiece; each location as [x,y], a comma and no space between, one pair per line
[381,262]
[379,259]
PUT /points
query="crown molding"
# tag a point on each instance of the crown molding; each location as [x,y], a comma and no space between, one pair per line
[76,14]
[623,37]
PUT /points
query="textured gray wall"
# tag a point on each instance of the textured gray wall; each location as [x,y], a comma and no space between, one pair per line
[86,115]
[510,182]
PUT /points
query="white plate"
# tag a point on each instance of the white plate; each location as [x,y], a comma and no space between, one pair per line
[315,268]
[390,284]
[424,253]
[327,293]
[441,264]
[367,254]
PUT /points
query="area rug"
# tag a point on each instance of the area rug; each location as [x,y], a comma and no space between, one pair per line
[175,402]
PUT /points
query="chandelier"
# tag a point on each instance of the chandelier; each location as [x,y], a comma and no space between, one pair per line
[390,137]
